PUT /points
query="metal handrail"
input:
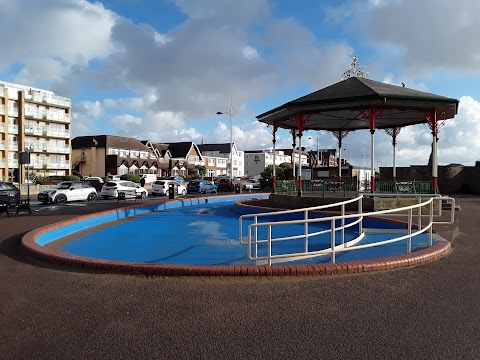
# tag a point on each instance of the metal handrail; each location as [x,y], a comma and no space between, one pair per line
[304,210]
[269,258]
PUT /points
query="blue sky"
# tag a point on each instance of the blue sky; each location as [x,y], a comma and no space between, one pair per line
[160,70]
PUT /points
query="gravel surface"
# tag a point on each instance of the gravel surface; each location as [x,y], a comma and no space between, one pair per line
[424,312]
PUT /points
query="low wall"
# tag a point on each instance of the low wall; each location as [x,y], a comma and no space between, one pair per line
[452,179]
[297,202]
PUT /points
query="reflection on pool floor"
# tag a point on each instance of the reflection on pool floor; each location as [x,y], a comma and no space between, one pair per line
[208,235]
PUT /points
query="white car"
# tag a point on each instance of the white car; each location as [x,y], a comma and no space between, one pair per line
[161,187]
[68,191]
[251,185]
[129,188]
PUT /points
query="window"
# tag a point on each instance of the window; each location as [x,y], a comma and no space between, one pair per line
[134,153]
[112,151]
[123,153]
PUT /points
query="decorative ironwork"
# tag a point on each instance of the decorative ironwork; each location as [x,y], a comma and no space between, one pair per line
[393,132]
[355,71]
[340,135]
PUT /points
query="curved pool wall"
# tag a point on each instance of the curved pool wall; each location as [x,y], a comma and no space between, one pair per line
[34,241]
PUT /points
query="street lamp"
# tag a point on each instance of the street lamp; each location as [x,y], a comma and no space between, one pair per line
[230,115]
[318,150]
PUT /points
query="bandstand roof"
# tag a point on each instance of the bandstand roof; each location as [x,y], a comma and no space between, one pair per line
[343,107]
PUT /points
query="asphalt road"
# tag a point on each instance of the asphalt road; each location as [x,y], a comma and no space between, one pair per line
[426,312]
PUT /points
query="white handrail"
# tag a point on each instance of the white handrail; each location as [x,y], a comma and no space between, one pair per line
[284,212]
[334,228]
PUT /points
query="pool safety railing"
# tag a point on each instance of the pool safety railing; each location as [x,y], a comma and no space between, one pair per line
[337,226]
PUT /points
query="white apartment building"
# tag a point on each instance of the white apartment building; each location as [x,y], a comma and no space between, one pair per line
[256,161]
[37,122]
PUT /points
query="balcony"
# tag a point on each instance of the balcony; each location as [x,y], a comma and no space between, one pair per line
[13,145]
[12,129]
[63,150]
[2,127]
[57,166]
[41,97]
[58,134]
[58,118]
[2,163]
[13,163]
[2,109]
[13,112]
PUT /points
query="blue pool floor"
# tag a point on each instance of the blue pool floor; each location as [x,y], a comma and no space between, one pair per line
[208,235]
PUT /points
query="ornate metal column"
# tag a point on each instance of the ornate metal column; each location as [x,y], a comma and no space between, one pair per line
[339,135]
[393,132]
[301,120]
[431,117]
[274,177]
[294,143]
[372,114]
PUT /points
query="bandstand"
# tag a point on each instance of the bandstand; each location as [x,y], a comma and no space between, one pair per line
[357,103]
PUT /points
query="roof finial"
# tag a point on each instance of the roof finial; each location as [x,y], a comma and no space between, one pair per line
[354,70]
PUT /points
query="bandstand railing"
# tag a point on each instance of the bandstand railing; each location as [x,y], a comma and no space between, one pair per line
[327,187]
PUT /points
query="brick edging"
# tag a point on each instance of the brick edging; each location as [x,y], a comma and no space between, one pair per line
[31,248]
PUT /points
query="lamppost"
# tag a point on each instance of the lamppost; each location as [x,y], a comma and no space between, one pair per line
[230,115]
[318,149]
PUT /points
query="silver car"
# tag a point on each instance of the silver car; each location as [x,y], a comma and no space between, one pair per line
[68,191]
[129,188]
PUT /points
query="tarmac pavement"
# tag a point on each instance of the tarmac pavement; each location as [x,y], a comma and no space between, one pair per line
[429,311]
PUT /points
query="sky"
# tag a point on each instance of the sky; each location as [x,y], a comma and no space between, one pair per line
[161,69]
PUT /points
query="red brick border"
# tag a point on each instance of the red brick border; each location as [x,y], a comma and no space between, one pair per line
[31,248]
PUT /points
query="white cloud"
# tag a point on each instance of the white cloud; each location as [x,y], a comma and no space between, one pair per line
[442,39]
[52,35]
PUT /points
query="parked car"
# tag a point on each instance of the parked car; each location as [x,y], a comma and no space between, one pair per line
[201,186]
[161,187]
[251,185]
[68,191]
[130,188]
[177,178]
[112,177]
[9,193]
[96,181]
[224,184]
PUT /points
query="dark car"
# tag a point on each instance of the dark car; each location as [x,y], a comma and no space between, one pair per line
[224,184]
[9,193]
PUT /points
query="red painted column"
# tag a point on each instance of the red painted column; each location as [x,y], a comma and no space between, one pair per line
[301,120]
[294,143]
[434,152]
[274,177]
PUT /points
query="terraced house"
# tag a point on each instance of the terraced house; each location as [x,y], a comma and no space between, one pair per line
[35,122]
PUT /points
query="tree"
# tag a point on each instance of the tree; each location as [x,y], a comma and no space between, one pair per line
[282,172]
[202,170]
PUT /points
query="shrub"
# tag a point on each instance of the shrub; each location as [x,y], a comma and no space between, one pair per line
[70,178]
[131,177]
[38,179]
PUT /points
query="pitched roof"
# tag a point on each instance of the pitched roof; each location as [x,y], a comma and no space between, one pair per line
[342,106]
[108,141]
[223,148]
